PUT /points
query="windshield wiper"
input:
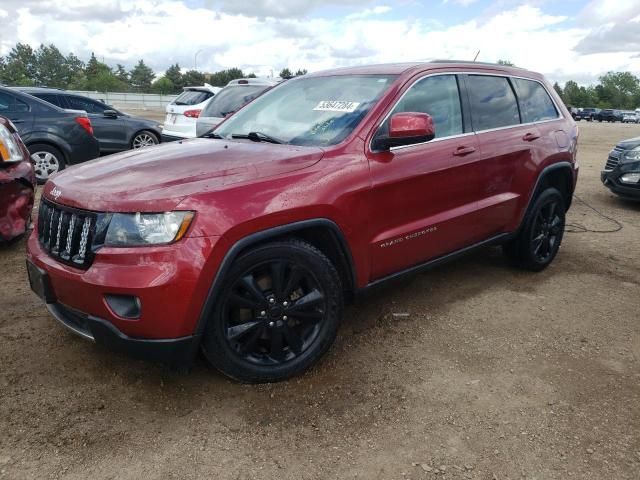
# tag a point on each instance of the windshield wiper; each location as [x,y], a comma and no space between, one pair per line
[257,137]
[212,135]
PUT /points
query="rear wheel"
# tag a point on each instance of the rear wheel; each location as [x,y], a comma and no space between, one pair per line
[277,313]
[539,239]
[144,139]
[46,161]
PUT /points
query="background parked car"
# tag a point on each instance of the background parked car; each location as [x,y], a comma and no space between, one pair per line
[630,117]
[621,173]
[234,96]
[116,131]
[17,183]
[54,137]
[609,115]
[587,114]
[183,112]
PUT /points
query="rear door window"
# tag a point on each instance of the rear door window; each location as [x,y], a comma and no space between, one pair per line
[439,97]
[11,104]
[535,103]
[51,98]
[192,97]
[493,103]
[86,104]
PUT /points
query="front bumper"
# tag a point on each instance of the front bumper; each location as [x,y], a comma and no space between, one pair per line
[171,283]
[175,351]
[611,179]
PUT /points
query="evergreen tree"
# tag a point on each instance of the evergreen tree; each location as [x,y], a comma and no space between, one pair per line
[51,67]
[174,75]
[141,77]
[19,66]
[301,72]
[122,74]
[286,73]
[193,77]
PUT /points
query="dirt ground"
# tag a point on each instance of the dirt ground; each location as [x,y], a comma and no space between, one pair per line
[494,374]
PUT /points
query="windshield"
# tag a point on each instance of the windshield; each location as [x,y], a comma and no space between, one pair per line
[230,99]
[314,111]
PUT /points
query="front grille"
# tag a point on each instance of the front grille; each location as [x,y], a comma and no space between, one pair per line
[67,233]
[614,158]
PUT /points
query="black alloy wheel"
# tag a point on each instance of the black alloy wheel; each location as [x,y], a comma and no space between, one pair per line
[277,314]
[540,236]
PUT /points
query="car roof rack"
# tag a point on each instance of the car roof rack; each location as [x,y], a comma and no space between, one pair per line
[471,62]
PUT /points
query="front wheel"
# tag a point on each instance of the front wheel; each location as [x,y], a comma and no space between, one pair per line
[46,161]
[277,313]
[144,139]
[539,239]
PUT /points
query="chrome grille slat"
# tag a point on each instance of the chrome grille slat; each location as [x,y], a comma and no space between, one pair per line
[66,233]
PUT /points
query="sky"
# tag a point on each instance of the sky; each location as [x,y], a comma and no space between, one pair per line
[568,39]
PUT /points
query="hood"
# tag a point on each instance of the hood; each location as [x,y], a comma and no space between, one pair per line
[158,178]
[629,144]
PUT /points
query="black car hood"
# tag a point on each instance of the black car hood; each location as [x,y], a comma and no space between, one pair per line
[629,144]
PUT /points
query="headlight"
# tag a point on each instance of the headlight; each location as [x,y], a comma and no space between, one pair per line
[139,229]
[9,149]
[631,156]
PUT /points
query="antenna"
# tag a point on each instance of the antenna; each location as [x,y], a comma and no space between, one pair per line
[476,57]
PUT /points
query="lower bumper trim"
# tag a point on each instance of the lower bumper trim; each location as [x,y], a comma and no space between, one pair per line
[176,352]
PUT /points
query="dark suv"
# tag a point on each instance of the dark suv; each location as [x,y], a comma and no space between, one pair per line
[247,243]
[588,114]
[609,115]
[116,131]
[55,137]
[621,173]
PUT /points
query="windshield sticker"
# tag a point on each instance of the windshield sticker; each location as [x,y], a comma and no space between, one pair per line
[336,106]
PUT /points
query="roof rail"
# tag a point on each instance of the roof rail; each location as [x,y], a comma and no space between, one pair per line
[471,62]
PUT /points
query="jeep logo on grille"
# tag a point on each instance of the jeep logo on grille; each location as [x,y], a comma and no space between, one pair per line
[55,193]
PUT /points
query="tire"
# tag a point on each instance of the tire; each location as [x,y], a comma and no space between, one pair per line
[539,238]
[145,138]
[265,330]
[46,161]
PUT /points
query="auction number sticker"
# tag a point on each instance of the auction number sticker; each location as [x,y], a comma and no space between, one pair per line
[336,106]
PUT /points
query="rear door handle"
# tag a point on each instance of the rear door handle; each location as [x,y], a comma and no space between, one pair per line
[462,151]
[530,137]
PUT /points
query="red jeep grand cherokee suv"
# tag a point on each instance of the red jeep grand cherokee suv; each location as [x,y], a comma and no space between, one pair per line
[247,242]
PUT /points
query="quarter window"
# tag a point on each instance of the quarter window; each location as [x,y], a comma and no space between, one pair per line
[439,97]
[493,103]
[535,103]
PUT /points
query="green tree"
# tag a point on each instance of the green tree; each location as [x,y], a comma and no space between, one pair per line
[506,63]
[221,78]
[105,81]
[122,74]
[162,86]
[141,77]
[174,75]
[558,90]
[286,73]
[19,66]
[193,77]
[618,89]
[52,69]
[301,72]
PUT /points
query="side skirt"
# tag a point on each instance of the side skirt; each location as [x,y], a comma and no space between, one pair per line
[498,239]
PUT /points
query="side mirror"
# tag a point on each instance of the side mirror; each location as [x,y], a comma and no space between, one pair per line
[110,114]
[407,128]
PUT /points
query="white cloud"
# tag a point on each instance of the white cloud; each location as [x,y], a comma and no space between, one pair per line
[163,32]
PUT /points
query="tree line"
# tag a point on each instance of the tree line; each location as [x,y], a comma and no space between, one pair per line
[48,66]
[619,90]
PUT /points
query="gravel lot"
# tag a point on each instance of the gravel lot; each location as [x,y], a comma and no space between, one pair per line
[493,374]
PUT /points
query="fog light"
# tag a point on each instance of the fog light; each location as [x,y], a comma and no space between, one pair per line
[630,178]
[125,306]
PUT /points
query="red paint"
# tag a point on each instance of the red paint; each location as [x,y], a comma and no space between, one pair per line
[17,186]
[395,208]
[411,124]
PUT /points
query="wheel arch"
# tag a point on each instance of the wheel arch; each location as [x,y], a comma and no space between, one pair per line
[558,175]
[60,146]
[322,233]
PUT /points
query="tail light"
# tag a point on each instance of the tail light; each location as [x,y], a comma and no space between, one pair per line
[85,123]
[192,113]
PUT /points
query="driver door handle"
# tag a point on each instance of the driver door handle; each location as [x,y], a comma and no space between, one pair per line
[462,151]
[530,137]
